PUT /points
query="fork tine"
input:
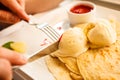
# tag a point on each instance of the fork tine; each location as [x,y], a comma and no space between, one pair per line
[49,31]
[52,32]
[48,34]
[57,34]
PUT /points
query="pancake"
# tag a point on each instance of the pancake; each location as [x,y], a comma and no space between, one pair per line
[57,68]
[71,64]
[76,76]
[101,63]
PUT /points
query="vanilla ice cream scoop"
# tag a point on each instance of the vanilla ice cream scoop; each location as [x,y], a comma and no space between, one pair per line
[102,34]
[73,42]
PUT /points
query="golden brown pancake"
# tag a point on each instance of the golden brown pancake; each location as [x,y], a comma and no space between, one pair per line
[57,68]
[76,76]
[71,64]
[101,64]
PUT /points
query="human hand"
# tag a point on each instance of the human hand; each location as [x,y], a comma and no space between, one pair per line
[9,58]
[12,11]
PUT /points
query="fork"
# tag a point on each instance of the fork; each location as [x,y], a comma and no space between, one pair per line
[44,27]
[48,30]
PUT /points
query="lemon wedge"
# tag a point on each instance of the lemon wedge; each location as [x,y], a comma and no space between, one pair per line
[18,46]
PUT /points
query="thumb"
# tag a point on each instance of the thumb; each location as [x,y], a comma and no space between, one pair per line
[5,70]
[12,56]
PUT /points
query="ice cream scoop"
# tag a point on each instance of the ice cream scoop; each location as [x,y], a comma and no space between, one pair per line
[102,34]
[73,42]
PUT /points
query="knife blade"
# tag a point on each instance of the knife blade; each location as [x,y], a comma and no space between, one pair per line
[49,49]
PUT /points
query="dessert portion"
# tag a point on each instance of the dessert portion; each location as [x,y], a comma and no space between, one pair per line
[68,45]
[89,51]
[102,34]
[67,53]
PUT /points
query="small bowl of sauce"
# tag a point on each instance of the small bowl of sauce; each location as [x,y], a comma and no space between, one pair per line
[81,12]
[80,9]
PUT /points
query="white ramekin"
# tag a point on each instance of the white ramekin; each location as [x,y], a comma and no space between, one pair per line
[75,18]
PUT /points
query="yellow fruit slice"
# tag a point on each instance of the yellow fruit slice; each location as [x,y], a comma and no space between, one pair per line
[18,46]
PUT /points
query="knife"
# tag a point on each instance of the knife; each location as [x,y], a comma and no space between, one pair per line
[18,74]
[49,49]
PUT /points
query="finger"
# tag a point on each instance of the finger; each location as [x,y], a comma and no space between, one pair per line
[5,70]
[22,3]
[14,57]
[14,6]
[8,17]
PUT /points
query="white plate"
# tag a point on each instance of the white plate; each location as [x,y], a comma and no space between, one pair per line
[30,35]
